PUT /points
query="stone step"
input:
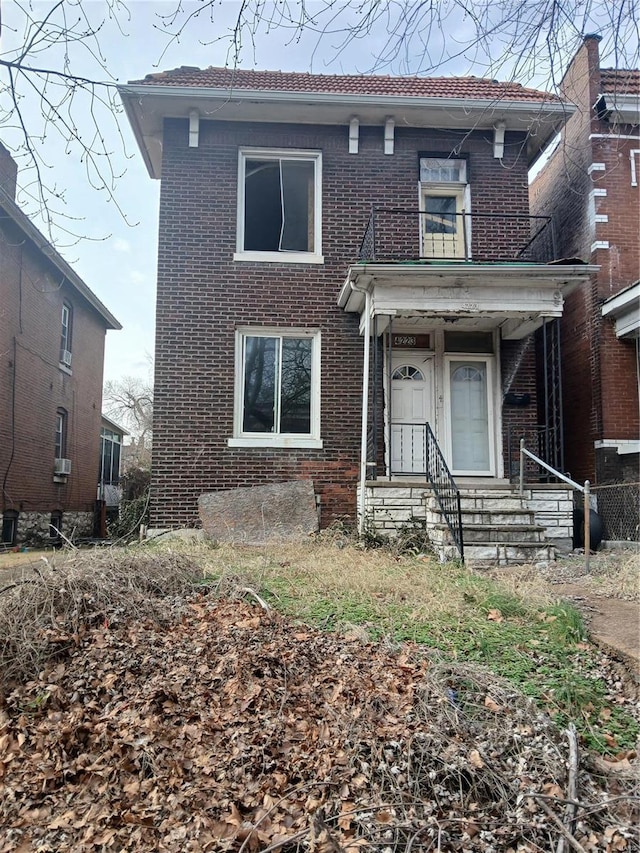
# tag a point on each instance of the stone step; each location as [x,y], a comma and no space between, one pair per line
[497,517]
[500,554]
[508,502]
[505,533]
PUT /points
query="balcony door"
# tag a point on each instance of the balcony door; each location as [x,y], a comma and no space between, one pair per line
[411,409]
[443,226]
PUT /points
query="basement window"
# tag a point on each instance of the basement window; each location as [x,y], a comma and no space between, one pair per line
[279,206]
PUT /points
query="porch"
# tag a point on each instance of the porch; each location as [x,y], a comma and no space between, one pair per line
[447,314]
[500,526]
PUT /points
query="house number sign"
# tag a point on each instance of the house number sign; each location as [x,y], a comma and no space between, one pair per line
[410,341]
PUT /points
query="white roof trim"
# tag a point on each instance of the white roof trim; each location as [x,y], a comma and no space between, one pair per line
[624,308]
[147,105]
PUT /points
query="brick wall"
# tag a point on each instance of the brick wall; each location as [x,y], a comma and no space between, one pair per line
[203,296]
[33,386]
[600,385]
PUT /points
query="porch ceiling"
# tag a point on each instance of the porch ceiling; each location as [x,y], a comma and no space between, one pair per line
[517,297]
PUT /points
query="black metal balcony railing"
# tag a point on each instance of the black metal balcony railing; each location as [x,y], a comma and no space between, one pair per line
[396,235]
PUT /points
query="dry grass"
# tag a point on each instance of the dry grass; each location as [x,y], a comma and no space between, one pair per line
[332,568]
[46,605]
[617,575]
[46,609]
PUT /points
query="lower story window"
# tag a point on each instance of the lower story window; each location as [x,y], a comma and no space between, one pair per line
[277,388]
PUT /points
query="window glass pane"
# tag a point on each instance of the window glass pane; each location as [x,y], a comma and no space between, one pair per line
[408,372]
[59,451]
[108,451]
[115,464]
[260,358]
[468,341]
[298,204]
[279,205]
[295,386]
[262,206]
[65,335]
[442,170]
[440,214]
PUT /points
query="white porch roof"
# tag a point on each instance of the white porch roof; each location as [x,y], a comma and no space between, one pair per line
[517,297]
[624,308]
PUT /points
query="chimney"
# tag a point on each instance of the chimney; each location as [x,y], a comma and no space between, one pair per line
[8,173]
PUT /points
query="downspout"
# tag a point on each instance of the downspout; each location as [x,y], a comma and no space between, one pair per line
[365,404]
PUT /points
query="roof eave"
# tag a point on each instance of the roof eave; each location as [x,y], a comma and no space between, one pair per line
[27,227]
[176,102]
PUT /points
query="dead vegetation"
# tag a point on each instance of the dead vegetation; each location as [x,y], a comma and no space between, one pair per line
[158,712]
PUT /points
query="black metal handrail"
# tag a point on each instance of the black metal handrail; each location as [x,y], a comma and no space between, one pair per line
[504,237]
[445,489]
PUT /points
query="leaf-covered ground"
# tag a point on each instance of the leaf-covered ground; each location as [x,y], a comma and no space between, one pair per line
[229,727]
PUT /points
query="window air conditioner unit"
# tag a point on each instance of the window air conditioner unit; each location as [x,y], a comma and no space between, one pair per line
[62,466]
[65,357]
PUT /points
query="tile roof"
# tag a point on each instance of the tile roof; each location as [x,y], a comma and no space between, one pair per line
[474,88]
[623,81]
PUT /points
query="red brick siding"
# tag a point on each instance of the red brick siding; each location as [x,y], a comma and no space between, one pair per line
[203,296]
[519,421]
[600,387]
[32,293]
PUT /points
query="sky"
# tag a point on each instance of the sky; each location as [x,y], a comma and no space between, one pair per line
[110,237]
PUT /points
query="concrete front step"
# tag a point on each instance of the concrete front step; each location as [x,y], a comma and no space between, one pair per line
[505,533]
[500,554]
[498,529]
[491,502]
[488,516]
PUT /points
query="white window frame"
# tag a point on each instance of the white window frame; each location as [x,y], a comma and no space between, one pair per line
[66,336]
[311,440]
[461,190]
[314,257]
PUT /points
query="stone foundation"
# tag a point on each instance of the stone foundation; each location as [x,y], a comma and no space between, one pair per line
[33,527]
[553,508]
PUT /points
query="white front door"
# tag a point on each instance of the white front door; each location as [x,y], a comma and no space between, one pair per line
[470,416]
[411,409]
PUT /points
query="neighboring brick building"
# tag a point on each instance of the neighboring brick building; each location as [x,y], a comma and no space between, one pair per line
[590,186]
[52,333]
[273,278]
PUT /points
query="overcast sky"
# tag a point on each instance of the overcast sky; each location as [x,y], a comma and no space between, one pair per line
[117,257]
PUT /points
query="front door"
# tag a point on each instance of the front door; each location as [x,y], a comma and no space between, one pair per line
[470,416]
[411,409]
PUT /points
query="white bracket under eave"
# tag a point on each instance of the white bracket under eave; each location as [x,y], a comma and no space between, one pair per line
[389,129]
[498,140]
[194,128]
[354,135]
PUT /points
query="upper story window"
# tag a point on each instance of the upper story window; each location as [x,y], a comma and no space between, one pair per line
[61,434]
[442,170]
[444,202]
[277,388]
[65,334]
[279,206]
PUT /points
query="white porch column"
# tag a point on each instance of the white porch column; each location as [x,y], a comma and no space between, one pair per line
[365,404]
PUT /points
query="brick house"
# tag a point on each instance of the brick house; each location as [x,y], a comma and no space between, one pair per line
[52,347]
[338,245]
[590,185]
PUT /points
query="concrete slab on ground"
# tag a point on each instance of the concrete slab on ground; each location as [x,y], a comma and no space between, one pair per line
[279,512]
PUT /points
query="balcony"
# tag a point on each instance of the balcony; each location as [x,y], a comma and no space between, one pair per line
[396,235]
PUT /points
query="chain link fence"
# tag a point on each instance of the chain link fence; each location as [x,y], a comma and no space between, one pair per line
[618,505]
